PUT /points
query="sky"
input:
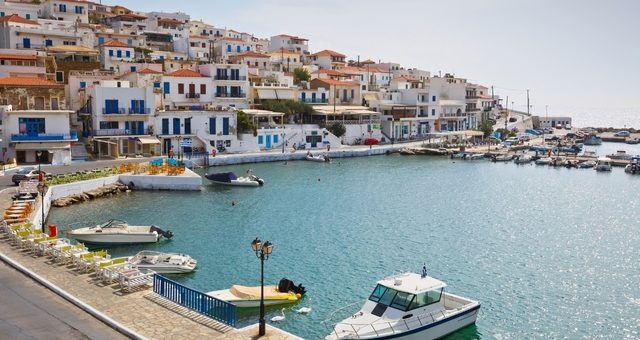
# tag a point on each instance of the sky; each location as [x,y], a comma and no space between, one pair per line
[572,55]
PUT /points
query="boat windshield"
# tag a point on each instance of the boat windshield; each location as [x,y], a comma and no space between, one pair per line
[404,301]
[113,224]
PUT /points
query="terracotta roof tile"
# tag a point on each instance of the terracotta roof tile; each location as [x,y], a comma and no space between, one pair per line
[170,21]
[115,43]
[27,81]
[149,71]
[231,39]
[336,82]
[283,51]
[184,73]
[18,19]
[252,54]
[17,57]
[329,72]
[329,53]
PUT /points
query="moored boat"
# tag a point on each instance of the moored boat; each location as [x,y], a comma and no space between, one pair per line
[523,159]
[317,158]
[603,164]
[163,263]
[230,178]
[620,154]
[407,306]
[593,140]
[633,167]
[242,296]
[116,231]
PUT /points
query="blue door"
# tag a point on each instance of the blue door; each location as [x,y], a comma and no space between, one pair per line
[26,42]
[323,98]
[313,97]
[166,87]
[165,126]
[303,96]
[176,126]
[268,143]
[225,126]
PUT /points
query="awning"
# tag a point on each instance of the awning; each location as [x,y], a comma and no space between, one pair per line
[148,140]
[104,141]
[42,146]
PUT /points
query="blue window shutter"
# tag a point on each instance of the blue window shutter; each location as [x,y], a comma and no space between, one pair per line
[107,106]
[133,106]
[111,53]
[260,139]
[228,48]
[83,84]
[238,48]
[156,84]
[248,48]
[212,125]
[116,107]
[126,125]
[119,53]
[141,104]
[48,42]
[433,98]
[28,16]
[127,54]
[433,112]
[225,126]
[141,128]
[129,42]
[165,126]
[100,40]
[133,68]
[166,87]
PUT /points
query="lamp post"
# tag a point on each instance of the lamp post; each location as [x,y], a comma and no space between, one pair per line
[283,134]
[262,252]
[41,185]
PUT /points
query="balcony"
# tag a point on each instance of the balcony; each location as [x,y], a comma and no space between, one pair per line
[224,77]
[125,111]
[315,101]
[31,46]
[44,137]
[231,95]
[120,132]
[192,95]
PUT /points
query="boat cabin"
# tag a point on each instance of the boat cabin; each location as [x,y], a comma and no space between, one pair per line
[405,293]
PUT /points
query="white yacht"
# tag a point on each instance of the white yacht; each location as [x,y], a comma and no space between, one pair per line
[118,232]
[407,306]
[163,263]
[603,164]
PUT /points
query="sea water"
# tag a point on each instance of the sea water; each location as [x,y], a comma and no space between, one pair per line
[549,252]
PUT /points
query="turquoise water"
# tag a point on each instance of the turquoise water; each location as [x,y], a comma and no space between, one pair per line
[549,252]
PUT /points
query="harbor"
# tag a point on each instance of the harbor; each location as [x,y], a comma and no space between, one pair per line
[507,253]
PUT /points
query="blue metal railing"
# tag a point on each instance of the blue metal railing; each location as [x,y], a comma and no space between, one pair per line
[199,302]
[44,137]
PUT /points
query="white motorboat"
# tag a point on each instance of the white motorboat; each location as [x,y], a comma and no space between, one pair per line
[543,161]
[163,263]
[119,232]
[317,158]
[229,178]
[603,164]
[633,167]
[407,306]
[620,154]
[242,296]
[523,159]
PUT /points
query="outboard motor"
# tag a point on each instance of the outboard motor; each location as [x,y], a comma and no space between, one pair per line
[286,285]
[166,234]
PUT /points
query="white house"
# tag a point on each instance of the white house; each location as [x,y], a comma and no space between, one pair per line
[187,90]
[230,82]
[252,60]
[121,121]
[300,46]
[67,10]
[200,47]
[27,10]
[20,62]
[328,59]
[112,52]
[284,59]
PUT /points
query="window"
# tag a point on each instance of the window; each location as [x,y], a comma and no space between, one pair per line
[110,106]
[31,126]
[28,16]
[111,53]
[166,87]
[83,84]
[100,40]
[433,98]
[426,298]
[176,126]
[137,106]
[62,8]
[79,9]
[165,126]
[127,54]
[119,53]
[260,139]
[203,88]
[108,125]
[156,84]
[275,139]
[180,88]
[48,42]
[132,68]
[129,41]
[225,126]
[353,94]
[59,76]
[212,125]
[433,112]
[402,300]
[203,45]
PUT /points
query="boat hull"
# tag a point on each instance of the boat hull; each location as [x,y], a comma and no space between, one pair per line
[115,239]
[434,330]
[239,183]
[167,269]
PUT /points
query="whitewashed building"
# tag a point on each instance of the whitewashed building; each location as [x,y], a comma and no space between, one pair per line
[113,52]
[66,10]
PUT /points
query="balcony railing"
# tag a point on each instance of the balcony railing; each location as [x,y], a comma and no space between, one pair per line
[231,95]
[120,132]
[224,77]
[192,95]
[315,101]
[124,111]
[44,137]
[31,46]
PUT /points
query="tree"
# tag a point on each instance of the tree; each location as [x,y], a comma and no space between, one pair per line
[289,107]
[245,124]
[337,129]
[300,74]
[486,128]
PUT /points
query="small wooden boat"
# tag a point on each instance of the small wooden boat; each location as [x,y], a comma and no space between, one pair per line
[229,178]
[242,296]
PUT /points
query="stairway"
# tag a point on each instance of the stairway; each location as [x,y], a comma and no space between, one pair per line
[79,151]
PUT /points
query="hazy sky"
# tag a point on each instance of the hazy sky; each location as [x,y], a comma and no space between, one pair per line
[570,54]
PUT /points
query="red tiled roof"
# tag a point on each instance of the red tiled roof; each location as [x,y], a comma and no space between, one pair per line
[149,71]
[170,21]
[252,54]
[291,36]
[329,53]
[27,81]
[405,78]
[336,82]
[329,72]
[184,73]
[231,39]
[283,51]
[17,57]
[18,19]
[198,37]
[115,43]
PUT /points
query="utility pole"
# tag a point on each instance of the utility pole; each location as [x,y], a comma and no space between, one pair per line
[506,115]
[528,102]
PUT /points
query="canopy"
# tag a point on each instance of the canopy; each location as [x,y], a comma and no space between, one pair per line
[148,140]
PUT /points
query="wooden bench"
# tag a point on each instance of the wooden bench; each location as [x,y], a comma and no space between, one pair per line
[130,279]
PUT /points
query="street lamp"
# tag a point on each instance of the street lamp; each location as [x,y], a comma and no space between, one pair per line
[283,141]
[41,185]
[262,252]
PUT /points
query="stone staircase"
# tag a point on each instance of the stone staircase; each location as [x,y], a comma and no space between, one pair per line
[79,151]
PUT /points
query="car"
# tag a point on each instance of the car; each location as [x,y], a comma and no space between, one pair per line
[370,141]
[622,134]
[26,174]
[513,119]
